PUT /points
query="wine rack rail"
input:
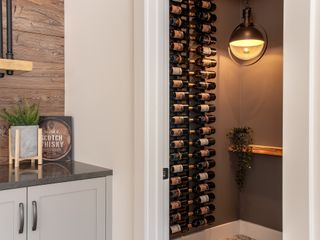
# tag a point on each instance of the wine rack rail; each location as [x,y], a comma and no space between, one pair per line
[192,118]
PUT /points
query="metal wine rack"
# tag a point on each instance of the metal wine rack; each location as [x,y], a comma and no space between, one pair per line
[192,115]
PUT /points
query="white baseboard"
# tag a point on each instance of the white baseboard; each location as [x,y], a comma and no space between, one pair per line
[216,233]
[231,229]
[259,232]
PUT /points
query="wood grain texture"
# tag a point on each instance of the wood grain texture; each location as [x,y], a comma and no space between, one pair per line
[38,36]
[264,150]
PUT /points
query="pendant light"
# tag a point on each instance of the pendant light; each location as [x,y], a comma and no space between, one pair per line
[248,41]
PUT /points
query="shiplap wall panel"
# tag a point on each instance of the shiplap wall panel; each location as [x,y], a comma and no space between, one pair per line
[39,37]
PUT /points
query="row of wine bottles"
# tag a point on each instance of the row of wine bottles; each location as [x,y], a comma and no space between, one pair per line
[184,227]
[203,153]
[202,176]
[184,120]
[199,211]
[199,188]
[179,168]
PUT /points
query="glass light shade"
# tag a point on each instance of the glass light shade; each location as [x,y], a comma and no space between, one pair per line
[247,49]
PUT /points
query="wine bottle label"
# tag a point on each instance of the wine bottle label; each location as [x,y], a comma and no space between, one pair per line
[206,5]
[178,34]
[176,71]
[204,210]
[204,199]
[176,193]
[204,153]
[177,168]
[204,108]
[175,228]
[176,180]
[178,144]
[203,176]
[177,132]
[204,141]
[176,9]
[206,50]
[206,28]
[204,187]
[176,205]
[206,131]
[180,95]
[178,22]
[176,217]
[177,1]
[179,156]
[207,63]
[205,96]
[178,46]
[178,107]
[178,120]
[177,83]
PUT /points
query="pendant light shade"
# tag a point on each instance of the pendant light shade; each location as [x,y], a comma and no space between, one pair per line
[247,43]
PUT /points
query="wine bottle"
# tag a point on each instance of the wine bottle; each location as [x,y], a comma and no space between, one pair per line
[179,84]
[205,153]
[205,97]
[205,85]
[178,192]
[178,180]
[204,74]
[177,228]
[179,144]
[178,71]
[177,34]
[177,217]
[178,59]
[179,120]
[203,221]
[179,95]
[206,16]
[178,156]
[204,39]
[204,62]
[204,108]
[179,168]
[204,210]
[177,46]
[205,51]
[205,165]
[204,198]
[204,131]
[205,27]
[201,142]
[204,187]
[178,21]
[179,204]
[204,176]
[179,108]
[178,132]
[178,10]
[204,119]
[207,5]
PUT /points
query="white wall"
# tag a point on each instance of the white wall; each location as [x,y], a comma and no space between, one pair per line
[99,94]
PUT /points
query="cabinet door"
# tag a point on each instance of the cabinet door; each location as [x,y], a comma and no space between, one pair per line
[67,211]
[13,214]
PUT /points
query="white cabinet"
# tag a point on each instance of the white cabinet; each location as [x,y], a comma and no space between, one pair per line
[66,211]
[13,214]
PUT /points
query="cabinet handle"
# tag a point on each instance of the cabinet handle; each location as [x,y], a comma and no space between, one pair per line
[21,217]
[34,215]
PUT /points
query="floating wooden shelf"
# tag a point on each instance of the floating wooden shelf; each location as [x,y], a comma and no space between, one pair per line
[16,65]
[265,150]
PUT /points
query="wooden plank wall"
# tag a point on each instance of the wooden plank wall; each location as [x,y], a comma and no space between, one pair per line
[38,36]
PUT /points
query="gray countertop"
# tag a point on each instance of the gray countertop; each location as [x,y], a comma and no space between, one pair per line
[52,172]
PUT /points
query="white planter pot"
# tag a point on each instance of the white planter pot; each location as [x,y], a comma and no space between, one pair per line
[28,140]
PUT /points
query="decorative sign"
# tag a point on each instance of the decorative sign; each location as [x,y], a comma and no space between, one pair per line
[57,137]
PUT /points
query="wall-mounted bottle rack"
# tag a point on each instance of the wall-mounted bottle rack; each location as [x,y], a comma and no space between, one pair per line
[192,85]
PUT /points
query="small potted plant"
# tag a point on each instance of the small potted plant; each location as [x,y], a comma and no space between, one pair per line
[240,139]
[23,120]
